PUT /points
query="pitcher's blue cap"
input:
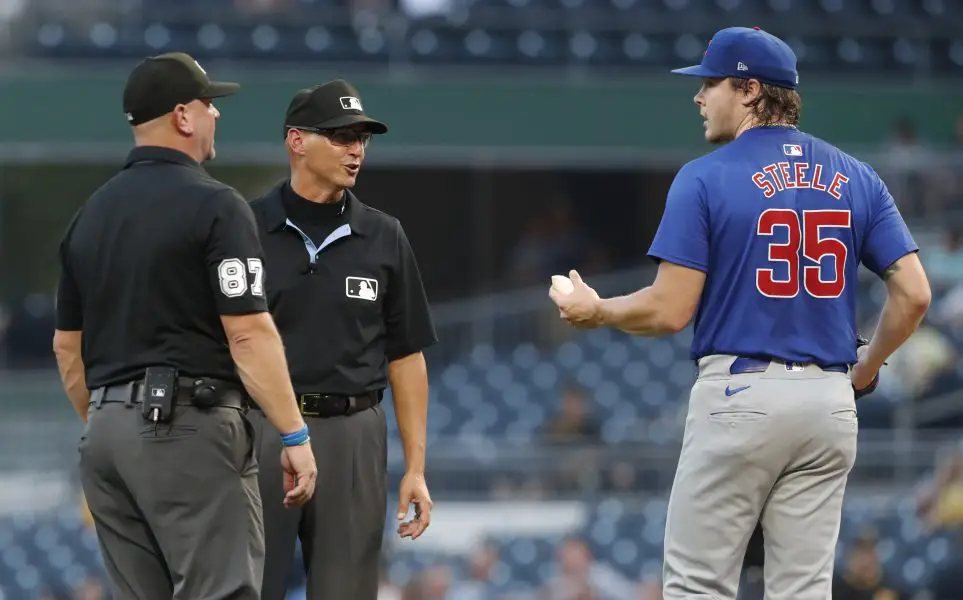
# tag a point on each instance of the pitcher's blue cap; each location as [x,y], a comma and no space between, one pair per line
[747,53]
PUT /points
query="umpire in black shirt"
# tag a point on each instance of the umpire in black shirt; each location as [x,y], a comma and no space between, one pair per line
[162,325]
[346,294]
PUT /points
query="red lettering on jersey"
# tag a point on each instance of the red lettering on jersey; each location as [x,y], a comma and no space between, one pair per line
[768,189]
[799,171]
[838,181]
[816,247]
[817,176]
[784,170]
[773,170]
[816,242]
[787,253]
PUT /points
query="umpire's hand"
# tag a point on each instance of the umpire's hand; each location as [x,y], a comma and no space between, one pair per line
[300,474]
[414,490]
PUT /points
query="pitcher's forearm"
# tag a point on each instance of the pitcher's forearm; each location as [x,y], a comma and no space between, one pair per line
[908,297]
[635,314]
[897,322]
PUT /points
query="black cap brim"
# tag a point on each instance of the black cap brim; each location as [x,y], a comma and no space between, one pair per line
[219,89]
[345,120]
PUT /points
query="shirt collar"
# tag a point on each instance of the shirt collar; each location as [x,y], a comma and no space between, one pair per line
[276,217]
[161,154]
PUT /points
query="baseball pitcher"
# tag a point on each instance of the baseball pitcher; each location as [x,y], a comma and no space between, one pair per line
[760,241]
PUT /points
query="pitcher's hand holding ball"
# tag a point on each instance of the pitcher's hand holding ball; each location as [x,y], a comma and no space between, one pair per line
[578,304]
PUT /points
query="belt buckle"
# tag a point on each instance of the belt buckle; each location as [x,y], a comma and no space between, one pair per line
[350,405]
[304,411]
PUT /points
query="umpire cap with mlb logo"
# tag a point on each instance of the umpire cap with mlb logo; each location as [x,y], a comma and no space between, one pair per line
[159,83]
[329,106]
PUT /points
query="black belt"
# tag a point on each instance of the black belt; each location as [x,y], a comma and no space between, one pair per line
[748,364]
[324,406]
[229,394]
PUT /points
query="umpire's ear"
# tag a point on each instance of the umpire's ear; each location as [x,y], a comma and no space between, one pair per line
[295,141]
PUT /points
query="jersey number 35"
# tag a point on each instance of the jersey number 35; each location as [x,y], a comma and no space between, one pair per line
[807,237]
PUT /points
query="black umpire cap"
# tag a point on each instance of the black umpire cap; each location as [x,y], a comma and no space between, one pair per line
[159,83]
[329,106]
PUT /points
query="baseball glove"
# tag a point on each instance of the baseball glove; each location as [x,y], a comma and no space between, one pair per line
[869,389]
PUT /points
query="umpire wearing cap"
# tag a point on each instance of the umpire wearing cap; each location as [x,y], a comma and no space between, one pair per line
[347,297]
[162,325]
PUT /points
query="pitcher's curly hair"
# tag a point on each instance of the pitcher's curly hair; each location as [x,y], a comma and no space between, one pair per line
[774,104]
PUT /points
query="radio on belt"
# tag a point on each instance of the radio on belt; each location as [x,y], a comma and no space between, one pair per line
[160,390]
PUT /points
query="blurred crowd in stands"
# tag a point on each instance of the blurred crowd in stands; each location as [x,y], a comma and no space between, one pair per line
[568,567]
[907,37]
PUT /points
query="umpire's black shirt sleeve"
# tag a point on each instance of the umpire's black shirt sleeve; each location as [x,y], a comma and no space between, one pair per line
[235,259]
[408,321]
[70,313]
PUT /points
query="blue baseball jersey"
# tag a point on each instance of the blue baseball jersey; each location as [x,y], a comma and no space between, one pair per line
[779,221]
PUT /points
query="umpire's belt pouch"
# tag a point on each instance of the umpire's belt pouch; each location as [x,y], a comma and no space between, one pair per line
[205,394]
[160,394]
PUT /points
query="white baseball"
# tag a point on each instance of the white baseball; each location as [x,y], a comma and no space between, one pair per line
[563,284]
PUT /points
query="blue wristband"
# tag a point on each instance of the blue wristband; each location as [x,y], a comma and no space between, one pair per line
[298,438]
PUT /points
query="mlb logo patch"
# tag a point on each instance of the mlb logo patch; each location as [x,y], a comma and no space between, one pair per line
[361,288]
[792,150]
[351,103]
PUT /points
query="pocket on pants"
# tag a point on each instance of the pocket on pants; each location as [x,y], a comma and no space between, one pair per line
[846,415]
[250,459]
[234,434]
[181,425]
[729,415]
[82,442]
[846,420]
[165,431]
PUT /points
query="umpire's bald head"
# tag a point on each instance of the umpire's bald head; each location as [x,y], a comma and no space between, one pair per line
[168,100]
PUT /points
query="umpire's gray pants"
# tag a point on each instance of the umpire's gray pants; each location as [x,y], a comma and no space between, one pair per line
[780,452]
[342,527]
[176,506]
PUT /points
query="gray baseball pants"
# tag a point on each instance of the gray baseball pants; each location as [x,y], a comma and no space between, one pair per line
[176,506]
[774,447]
[342,527]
